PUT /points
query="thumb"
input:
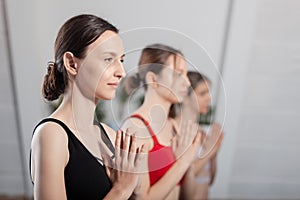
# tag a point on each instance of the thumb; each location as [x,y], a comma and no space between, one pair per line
[173,143]
[203,138]
[107,162]
[197,139]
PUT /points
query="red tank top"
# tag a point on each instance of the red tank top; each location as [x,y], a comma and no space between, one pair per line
[160,158]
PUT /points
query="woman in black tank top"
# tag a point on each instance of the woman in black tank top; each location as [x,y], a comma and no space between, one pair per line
[72,157]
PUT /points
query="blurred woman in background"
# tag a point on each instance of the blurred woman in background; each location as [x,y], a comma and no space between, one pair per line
[195,103]
[162,72]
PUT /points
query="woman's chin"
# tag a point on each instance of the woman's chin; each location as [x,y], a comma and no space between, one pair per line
[108,96]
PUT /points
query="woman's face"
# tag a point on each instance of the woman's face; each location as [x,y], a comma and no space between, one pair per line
[173,81]
[101,70]
[201,97]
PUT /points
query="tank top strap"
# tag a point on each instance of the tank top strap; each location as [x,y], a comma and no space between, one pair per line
[148,127]
[105,137]
[63,125]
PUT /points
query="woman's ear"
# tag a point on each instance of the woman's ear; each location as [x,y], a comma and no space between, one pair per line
[151,79]
[70,63]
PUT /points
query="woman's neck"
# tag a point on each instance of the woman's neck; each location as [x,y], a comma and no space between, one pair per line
[76,110]
[154,108]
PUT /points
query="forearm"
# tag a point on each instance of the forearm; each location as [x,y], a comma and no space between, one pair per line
[199,164]
[117,192]
[213,170]
[187,188]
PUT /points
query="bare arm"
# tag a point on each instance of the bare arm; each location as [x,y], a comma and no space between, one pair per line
[212,144]
[175,173]
[187,188]
[213,170]
[49,158]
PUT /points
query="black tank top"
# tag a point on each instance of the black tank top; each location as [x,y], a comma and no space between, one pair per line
[85,177]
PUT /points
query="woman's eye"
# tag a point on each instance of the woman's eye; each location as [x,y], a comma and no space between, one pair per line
[108,59]
[203,93]
[122,60]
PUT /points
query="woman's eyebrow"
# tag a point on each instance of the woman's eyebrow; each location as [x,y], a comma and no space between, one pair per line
[110,52]
[113,54]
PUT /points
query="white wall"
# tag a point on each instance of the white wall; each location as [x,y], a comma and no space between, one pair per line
[255,29]
[259,158]
[11,176]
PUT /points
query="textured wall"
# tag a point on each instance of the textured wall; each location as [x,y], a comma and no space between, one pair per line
[11,178]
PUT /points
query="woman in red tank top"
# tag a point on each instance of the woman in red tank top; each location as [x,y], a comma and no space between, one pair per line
[162,72]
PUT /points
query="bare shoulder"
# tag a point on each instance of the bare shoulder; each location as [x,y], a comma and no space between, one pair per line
[49,133]
[139,129]
[136,126]
[134,123]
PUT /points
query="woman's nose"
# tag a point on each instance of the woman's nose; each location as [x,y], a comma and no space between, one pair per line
[187,80]
[120,71]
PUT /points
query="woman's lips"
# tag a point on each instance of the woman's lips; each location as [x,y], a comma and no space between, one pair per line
[114,85]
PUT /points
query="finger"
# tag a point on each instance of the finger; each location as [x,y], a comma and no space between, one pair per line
[216,130]
[195,130]
[197,140]
[173,143]
[185,132]
[133,141]
[178,140]
[126,143]
[217,133]
[176,129]
[141,151]
[182,133]
[118,147]
[182,127]
[140,158]
[213,133]
[107,162]
[188,134]
[220,139]
[118,139]
[132,150]
[203,138]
